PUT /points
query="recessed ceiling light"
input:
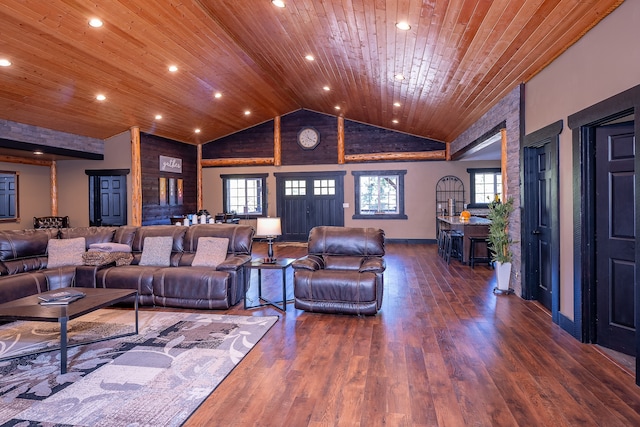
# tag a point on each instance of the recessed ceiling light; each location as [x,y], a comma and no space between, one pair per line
[326,88]
[399,77]
[337,107]
[95,22]
[278,3]
[403,25]
[38,153]
[309,58]
[5,62]
[197,131]
[247,112]
[394,121]
[173,68]
[100,97]
[396,104]
[217,95]
[158,116]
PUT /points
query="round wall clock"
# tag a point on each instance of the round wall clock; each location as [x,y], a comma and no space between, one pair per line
[308,138]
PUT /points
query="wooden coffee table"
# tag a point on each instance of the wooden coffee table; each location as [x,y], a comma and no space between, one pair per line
[28,308]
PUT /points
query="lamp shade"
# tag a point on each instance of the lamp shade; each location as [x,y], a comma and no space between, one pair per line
[268,227]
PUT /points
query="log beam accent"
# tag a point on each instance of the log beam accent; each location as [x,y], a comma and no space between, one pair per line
[136,178]
[341,160]
[54,189]
[25,161]
[199,179]
[503,163]
[249,161]
[277,142]
[399,156]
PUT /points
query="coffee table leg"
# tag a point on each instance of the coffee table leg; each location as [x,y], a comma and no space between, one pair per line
[284,289]
[63,345]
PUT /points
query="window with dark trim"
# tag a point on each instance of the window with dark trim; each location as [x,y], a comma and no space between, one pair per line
[245,195]
[486,183]
[379,194]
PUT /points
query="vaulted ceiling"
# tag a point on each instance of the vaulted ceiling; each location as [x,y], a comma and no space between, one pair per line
[458,58]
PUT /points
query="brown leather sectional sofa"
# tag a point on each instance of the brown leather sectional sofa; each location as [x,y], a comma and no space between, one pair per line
[23,265]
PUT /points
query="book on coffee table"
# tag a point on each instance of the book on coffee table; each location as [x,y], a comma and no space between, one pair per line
[60,298]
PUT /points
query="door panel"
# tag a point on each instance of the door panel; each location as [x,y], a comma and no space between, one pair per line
[615,237]
[108,201]
[543,226]
[540,164]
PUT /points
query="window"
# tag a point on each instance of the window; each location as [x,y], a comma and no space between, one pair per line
[379,194]
[485,184]
[324,187]
[295,187]
[245,194]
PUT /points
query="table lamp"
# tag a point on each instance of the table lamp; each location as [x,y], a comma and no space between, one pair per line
[269,228]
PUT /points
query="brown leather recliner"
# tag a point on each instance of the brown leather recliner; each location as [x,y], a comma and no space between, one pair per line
[343,271]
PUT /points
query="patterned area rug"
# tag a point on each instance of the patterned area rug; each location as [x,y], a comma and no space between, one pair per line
[156,378]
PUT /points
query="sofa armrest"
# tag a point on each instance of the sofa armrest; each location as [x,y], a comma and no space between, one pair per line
[373,265]
[309,262]
[86,274]
[233,262]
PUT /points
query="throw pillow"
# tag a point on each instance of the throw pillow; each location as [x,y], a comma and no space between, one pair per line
[211,252]
[64,252]
[157,251]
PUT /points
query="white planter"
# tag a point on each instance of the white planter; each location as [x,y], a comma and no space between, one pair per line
[503,275]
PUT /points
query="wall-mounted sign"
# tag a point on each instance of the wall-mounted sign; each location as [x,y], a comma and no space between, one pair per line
[170,164]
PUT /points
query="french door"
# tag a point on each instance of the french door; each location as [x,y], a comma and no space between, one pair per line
[309,199]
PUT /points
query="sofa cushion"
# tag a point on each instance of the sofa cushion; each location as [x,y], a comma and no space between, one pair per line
[157,251]
[65,252]
[240,236]
[211,252]
[176,233]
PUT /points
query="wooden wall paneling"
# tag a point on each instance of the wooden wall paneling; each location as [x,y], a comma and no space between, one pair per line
[326,152]
[199,177]
[256,141]
[136,178]
[152,147]
[277,142]
[415,156]
[341,159]
[54,189]
[25,161]
[361,138]
[503,163]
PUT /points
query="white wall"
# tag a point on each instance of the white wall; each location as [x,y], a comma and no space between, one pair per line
[73,182]
[34,193]
[420,191]
[605,62]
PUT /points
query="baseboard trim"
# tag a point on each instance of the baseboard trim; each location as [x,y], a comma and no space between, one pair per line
[413,241]
[568,325]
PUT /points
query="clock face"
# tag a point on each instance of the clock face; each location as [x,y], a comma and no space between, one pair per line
[308,138]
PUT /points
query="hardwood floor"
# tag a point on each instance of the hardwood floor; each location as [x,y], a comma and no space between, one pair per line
[443,351]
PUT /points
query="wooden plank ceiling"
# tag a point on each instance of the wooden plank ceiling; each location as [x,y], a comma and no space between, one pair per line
[458,59]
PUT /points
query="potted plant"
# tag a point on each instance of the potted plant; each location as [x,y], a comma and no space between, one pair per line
[500,241]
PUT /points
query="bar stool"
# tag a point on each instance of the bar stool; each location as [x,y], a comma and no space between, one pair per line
[441,240]
[453,245]
[473,258]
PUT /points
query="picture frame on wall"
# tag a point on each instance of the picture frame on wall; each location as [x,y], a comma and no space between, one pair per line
[172,192]
[162,191]
[180,190]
